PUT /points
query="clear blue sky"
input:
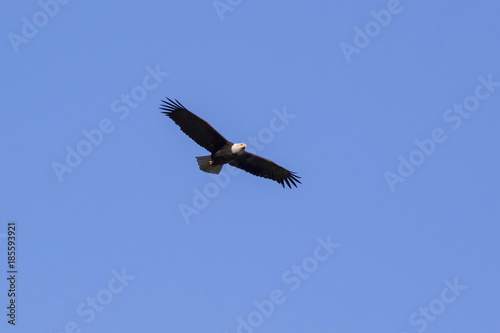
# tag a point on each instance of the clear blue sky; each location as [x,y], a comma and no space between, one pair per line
[388,110]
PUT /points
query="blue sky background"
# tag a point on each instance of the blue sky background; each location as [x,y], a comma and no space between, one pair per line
[353,118]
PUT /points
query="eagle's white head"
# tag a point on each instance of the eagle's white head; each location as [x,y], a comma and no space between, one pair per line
[238,148]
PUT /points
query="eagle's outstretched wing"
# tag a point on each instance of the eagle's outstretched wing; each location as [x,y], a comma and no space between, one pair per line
[263,167]
[196,128]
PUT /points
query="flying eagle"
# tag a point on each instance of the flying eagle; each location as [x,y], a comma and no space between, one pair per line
[223,151]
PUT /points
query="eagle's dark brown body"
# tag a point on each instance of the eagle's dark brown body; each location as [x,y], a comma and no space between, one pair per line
[224,155]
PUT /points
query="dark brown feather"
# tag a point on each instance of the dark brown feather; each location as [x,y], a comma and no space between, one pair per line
[193,126]
[263,167]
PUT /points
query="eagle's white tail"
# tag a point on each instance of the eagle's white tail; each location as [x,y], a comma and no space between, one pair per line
[204,164]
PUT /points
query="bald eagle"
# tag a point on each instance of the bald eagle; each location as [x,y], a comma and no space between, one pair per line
[223,151]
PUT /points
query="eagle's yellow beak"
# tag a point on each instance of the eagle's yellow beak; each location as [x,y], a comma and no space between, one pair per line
[244,145]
